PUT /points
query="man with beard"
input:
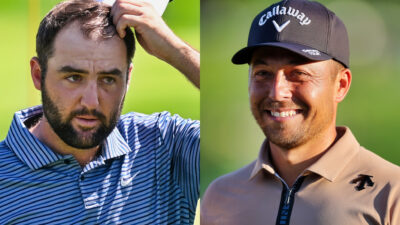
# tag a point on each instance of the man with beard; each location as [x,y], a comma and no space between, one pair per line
[308,171]
[74,160]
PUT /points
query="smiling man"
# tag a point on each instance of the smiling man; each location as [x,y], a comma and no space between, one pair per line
[309,171]
[74,159]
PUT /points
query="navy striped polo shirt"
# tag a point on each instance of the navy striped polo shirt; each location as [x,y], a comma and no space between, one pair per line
[147,173]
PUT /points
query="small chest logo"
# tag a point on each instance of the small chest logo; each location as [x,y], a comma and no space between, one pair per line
[363,180]
[126,180]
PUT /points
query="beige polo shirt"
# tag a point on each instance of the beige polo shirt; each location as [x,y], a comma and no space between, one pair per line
[348,185]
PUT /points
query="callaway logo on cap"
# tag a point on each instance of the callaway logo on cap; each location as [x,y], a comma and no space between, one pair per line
[301,26]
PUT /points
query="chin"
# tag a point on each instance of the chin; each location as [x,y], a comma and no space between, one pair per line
[285,141]
[285,144]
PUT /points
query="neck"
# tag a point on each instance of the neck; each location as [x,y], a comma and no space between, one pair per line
[291,163]
[43,131]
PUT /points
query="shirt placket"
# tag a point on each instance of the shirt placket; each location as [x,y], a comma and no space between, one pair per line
[89,188]
[287,200]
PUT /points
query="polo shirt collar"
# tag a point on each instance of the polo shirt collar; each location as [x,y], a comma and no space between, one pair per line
[114,146]
[338,155]
[263,161]
[36,155]
[343,151]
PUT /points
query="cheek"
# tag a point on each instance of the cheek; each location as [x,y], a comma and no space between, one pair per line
[319,97]
[58,94]
[315,93]
[313,90]
[257,92]
[113,98]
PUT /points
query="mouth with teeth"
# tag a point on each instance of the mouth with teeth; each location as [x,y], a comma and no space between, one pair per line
[283,114]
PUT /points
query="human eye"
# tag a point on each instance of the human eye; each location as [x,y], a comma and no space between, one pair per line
[299,75]
[262,74]
[108,80]
[74,78]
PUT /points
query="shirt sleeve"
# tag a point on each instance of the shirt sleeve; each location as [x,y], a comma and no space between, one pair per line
[183,139]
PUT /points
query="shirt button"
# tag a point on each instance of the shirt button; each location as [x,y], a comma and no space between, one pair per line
[67,161]
[82,177]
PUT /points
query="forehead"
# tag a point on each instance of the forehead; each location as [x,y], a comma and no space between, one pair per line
[72,46]
[278,57]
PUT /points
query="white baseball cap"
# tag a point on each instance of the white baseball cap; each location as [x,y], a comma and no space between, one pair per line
[159,5]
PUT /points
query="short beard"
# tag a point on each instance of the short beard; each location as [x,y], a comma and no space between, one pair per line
[285,142]
[272,132]
[66,132]
[299,137]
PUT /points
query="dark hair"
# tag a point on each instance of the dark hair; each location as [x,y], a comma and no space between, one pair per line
[92,15]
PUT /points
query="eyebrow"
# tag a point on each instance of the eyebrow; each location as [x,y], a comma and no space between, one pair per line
[115,72]
[70,69]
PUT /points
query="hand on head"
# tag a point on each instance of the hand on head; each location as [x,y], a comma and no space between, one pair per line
[156,37]
[152,32]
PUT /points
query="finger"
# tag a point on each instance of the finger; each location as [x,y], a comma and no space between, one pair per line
[124,22]
[133,2]
[138,3]
[124,8]
[118,3]
[113,7]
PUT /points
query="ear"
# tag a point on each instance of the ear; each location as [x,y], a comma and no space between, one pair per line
[129,76]
[36,73]
[343,81]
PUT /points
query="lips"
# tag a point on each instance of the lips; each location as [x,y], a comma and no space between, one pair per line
[87,120]
[87,117]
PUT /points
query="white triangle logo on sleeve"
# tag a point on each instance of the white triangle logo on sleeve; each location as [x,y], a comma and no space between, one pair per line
[280,28]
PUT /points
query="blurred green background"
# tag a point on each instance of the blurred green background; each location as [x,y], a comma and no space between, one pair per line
[230,136]
[156,86]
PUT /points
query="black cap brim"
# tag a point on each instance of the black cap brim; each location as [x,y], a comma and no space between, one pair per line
[244,55]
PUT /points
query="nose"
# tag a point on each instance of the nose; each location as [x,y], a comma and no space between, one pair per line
[90,96]
[280,87]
